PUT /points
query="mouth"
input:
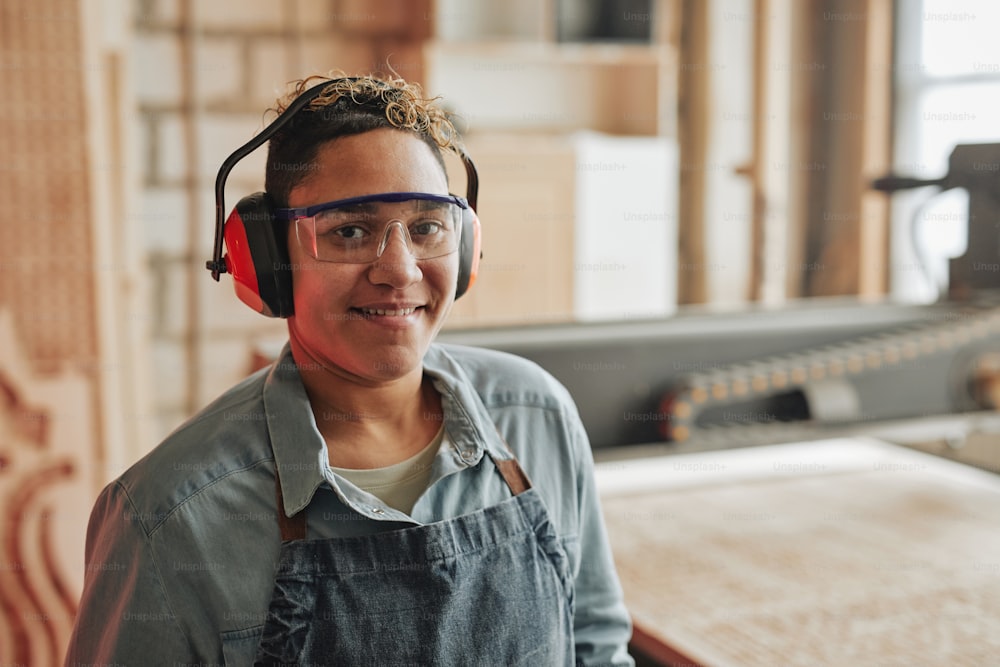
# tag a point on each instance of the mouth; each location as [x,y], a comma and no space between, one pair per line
[387,312]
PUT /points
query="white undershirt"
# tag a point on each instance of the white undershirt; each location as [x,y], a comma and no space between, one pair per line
[401,484]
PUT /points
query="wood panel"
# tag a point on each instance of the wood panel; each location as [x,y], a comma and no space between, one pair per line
[694,110]
[845,552]
[527,211]
[64,282]
[848,223]
[47,439]
[46,244]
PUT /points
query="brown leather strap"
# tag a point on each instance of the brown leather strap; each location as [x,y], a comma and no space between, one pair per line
[293,528]
[513,474]
[510,469]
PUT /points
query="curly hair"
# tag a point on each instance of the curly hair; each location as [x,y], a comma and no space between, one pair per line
[351,105]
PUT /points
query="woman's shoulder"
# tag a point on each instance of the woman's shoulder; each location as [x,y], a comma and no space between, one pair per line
[499,377]
[226,436]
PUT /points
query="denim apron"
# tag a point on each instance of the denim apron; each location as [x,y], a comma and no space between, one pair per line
[488,588]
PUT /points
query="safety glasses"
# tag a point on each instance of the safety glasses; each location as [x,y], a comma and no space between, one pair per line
[358,230]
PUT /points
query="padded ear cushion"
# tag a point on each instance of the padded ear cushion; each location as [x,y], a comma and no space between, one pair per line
[257,258]
[469,252]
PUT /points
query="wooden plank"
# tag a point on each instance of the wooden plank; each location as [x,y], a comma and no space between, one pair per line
[849,234]
[758,162]
[841,552]
[695,107]
[527,210]
[876,150]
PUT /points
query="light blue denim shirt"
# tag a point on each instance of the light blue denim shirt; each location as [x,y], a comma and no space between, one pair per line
[181,549]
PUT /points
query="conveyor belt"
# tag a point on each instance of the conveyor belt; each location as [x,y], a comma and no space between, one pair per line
[717,403]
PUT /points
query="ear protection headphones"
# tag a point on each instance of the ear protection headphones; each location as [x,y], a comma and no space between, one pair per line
[258,253]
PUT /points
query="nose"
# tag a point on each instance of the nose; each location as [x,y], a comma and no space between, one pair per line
[395,264]
[387,237]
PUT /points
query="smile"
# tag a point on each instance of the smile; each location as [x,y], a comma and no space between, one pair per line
[389,313]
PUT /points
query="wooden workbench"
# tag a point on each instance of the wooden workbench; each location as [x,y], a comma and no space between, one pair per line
[840,552]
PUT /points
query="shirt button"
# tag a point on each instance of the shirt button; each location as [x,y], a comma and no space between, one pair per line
[378,510]
[468,455]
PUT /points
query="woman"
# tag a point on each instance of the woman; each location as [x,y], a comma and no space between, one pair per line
[373,498]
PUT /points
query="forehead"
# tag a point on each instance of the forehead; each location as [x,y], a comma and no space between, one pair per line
[382,160]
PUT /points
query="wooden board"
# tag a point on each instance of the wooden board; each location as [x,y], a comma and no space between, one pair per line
[526,206]
[846,552]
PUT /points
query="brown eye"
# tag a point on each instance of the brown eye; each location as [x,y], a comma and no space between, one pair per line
[426,228]
[349,232]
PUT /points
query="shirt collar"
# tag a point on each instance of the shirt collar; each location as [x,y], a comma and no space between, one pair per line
[300,452]
[469,424]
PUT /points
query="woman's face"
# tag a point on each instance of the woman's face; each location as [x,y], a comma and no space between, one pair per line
[334,322]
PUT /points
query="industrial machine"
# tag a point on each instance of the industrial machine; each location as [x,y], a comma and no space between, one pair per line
[924,375]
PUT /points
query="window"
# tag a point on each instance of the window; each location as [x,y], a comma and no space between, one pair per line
[947,86]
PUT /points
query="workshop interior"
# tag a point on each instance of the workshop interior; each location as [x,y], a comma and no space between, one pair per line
[758,241]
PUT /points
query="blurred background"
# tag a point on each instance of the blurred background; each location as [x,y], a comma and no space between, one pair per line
[679,222]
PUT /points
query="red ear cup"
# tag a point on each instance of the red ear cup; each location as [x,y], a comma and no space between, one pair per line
[470,251]
[258,258]
[239,263]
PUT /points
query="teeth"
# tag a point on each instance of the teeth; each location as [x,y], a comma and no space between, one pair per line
[391,313]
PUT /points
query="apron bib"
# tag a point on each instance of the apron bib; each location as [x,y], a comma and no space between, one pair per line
[488,588]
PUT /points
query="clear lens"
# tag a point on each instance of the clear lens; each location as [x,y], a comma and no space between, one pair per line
[360,233]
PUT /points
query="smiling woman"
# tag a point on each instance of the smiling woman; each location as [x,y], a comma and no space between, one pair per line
[436,497]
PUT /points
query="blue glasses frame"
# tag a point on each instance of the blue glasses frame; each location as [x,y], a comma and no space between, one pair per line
[310,211]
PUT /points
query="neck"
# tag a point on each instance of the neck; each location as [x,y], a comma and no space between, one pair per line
[370,424]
